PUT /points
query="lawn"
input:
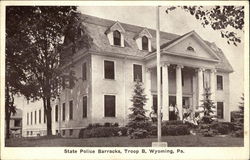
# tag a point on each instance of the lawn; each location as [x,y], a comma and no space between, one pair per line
[173,141]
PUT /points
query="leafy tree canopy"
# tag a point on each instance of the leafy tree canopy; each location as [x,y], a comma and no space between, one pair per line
[219,18]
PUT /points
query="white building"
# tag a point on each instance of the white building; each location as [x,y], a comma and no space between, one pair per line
[120,53]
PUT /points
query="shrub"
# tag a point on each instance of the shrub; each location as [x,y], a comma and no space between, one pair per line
[175,122]
[239,133]
[107,124]
[139,133]
[222,127]
[102,132]
[175,130]
[123,130]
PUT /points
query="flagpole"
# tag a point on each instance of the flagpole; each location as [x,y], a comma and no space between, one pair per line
[158,74]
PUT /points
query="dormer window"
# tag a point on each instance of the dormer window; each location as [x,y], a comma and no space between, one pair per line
[144,43]
[115,35]
[117,38]
[143,40]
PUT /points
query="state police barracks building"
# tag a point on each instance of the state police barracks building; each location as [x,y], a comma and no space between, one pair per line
[121,53]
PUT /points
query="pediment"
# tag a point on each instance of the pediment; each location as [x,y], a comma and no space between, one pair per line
[116,26]
[191,45]
[144,32]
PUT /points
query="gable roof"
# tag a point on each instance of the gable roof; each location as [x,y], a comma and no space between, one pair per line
[181,38]
[96,27]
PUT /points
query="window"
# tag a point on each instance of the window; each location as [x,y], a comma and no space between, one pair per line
[219,82]
[27,118]
[144,43]
[84,71]
[70,110]
[56,113]
[40,116]
[117,38]
[155,103]
[63,82]
[28,133]
[109,70]
[84,107]
[189,48]
[35,117]
[63,112]
[137,72]
[44,116]
[220,110]
[31,132]
[63,132]
[31,118]
[17,123]
[71,132]
[109,105]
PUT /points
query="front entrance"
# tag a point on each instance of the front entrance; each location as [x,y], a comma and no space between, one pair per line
[173,110]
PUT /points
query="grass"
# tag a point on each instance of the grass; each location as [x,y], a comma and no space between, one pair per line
[173,141]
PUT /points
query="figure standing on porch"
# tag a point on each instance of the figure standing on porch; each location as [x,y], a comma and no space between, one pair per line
[153,115]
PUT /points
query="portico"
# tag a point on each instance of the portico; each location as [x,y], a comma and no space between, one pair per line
[187,67]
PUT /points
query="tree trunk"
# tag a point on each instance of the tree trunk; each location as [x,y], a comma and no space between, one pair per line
[48,114]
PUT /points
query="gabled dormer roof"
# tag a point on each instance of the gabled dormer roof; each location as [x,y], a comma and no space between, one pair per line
[144,32]
[116,26]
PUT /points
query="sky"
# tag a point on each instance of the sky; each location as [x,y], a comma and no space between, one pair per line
[178,22]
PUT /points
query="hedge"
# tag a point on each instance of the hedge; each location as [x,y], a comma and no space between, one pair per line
[102,132]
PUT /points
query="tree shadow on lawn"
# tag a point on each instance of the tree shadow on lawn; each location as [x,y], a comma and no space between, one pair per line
[173,141]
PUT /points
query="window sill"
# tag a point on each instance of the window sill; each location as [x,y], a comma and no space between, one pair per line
[118,46]
[109,79]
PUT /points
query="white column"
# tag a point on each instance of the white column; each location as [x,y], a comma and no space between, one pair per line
[179,90]
[200,86]
[165,100]
[148,91]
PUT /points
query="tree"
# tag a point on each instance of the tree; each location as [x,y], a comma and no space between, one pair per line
[138,121]
[220,18]
[45,31]
[208,106]
[241,104]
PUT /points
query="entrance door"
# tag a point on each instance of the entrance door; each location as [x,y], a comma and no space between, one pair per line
[172,104]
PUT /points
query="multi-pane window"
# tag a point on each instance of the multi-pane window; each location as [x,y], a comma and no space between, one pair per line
[40,114]
[27,118]
[220,110]
[155,102]
[84,106]
[44,116]
[71,132]
[137,72]
[109,69]
[63,83]
[17,123]
[63,112]
[219,82]
[56,113]
[31,118]
[117,38]
[35,117]
[144,43]
[109,106]
[84,71]
[70,110]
